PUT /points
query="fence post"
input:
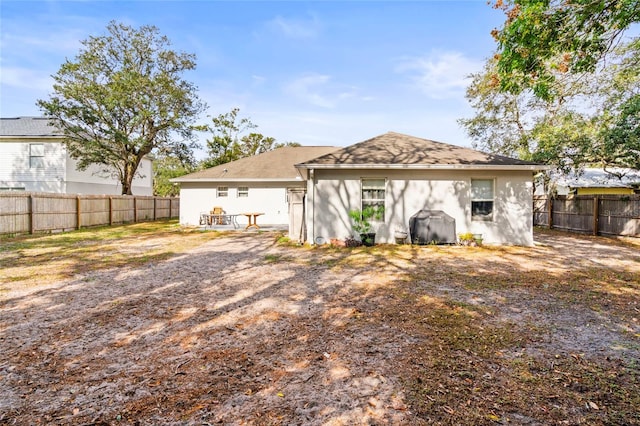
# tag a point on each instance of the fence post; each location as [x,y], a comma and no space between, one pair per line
[31,218]
[78,213]
[110,211]
[135,210]
[550,212]
[596,214]
[154,208]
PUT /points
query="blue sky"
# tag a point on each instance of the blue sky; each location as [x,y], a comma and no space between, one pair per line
[317,73]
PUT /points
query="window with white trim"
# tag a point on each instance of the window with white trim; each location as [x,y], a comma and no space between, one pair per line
[243,191]
[373,193]
[482,199]
[36,155]
[223,191]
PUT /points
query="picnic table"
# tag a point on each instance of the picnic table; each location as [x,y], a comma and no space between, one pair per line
[253,215]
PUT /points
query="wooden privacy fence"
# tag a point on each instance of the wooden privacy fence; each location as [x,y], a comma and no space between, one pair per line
[32,212]
[593,214]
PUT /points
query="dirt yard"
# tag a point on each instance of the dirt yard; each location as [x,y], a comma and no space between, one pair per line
[241,329]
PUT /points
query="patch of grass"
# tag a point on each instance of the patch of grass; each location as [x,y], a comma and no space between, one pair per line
[33,259]
[276,258]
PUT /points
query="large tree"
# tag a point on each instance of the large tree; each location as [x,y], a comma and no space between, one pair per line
[588,120]
[540,37]
[233,139]
[124,97]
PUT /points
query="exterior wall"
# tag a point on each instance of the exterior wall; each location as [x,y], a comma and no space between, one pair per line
[267,198]
[332,193]
[94,180]
[60,174]
[15,170]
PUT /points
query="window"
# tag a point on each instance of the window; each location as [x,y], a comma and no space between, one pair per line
[482,199]
[12,188]
[36,155]
[373,193]
[223,191]
[243,191]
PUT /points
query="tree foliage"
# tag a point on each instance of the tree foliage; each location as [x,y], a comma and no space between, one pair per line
[588,120]
[540,37]
[620,142]
[165,168]
[233,139]
[122,98]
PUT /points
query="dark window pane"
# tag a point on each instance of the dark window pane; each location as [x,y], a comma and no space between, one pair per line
[481,209]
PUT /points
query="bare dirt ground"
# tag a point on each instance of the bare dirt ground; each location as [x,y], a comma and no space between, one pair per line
[241,330]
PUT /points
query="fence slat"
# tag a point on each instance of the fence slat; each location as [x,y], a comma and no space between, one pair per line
[33,212]
[595,214]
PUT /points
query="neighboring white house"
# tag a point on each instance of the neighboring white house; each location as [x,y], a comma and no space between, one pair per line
[33,158]
[485,194]
[266,183]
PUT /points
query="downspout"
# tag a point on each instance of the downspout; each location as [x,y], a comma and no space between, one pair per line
[303,226]
[312,179]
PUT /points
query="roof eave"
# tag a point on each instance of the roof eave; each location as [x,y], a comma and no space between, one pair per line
[21,138]
[521,167]
[210,179]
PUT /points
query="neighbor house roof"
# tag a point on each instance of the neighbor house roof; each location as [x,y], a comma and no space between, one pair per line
[396,150]
[27,127]
[593,177]
[276,165]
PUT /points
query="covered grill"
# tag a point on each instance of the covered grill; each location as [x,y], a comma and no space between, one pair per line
[432,227]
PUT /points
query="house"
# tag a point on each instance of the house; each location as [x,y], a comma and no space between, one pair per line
[33,158]
[266,183]
[483,193]
[597,181]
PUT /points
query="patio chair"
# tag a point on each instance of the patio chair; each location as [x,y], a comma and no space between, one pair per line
[205,219]
[219,217]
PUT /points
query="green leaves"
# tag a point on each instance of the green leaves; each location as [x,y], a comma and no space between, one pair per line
[620,143]
[542,37]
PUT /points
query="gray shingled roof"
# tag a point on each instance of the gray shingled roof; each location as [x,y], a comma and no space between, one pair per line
[271,165]
[392,150]
[27,126]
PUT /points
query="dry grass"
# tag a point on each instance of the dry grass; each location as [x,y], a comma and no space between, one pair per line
[247,329]
[31,260]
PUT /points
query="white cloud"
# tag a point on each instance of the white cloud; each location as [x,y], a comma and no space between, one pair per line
[440,75]
[319,90]
[296,28]
[308,89]
[258,79]
[25,78]
[64,43]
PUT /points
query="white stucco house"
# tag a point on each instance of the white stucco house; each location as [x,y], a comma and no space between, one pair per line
[267,183]
[33,158]
[484,193]
[313,189]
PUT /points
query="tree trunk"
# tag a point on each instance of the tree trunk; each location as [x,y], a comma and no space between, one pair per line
[126,180]
[126,187]
[129,173]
